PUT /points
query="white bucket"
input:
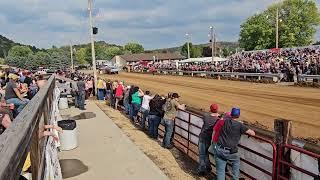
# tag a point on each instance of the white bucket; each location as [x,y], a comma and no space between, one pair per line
[68,139]
[63,103]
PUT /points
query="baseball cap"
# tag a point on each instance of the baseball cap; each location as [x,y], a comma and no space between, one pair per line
[235,112]
[214,108]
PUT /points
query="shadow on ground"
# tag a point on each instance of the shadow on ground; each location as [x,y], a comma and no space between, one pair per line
[189,165]
[72,167]
[81,116]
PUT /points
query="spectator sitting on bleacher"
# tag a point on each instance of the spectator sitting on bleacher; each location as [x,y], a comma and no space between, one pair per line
[13,95]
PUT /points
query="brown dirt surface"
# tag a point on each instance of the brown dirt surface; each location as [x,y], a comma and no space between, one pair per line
[172,162]
[260,103]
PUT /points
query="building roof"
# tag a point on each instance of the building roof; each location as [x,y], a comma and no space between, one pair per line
[150,56]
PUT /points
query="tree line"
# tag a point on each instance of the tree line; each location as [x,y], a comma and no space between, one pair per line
[58,58]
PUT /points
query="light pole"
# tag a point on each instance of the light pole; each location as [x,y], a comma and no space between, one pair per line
[90,4]
[71,56]
[212,43]
[188,44]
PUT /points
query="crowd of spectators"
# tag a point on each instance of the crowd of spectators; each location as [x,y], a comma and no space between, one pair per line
[220,133]
[17,88]
[289,61]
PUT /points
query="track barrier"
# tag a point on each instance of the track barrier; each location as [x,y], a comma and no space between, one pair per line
[260,157]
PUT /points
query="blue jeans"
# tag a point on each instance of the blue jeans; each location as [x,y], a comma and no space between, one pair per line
[204,162]
[18,103]
[81,99]
[134,110]
[127,107]
[145,114]
[154,122]
[100,94]
[221,157]
[169,125]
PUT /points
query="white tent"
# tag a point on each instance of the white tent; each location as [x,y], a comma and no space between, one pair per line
[203,59]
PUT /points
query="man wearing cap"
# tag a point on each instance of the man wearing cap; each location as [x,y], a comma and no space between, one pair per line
[226,148]
[13,95]
[209,120]
[171,108]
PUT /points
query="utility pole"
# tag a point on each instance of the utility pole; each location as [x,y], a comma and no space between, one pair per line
[277,27]
[71,55]
[212,43]
[92,46]
[188,44]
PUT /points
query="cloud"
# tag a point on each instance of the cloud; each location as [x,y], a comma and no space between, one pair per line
[155,24]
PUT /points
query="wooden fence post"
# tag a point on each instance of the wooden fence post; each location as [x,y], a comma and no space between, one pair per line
[283,130]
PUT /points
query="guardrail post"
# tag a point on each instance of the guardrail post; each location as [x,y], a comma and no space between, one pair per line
[189,133]
[283,130]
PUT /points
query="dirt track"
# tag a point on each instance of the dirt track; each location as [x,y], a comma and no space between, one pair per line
[258,102]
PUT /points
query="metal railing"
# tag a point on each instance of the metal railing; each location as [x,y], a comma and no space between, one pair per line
[283,163]
[272,174]
[22,137]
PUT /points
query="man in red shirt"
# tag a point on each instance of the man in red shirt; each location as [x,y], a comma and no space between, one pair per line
[209,120]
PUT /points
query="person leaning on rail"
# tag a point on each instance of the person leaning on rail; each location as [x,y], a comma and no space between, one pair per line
[209,120]
[170,111]
[226,147]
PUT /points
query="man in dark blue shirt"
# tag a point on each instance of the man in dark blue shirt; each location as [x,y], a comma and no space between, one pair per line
[226,148]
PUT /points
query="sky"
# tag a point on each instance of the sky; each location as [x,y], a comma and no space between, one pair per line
[153,23]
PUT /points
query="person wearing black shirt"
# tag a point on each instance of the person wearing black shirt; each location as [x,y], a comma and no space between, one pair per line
[155,114]
[226,148]
[209,120]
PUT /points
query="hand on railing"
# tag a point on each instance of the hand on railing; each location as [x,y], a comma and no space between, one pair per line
[46,132]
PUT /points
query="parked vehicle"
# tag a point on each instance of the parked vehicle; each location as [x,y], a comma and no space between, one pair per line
[109,70]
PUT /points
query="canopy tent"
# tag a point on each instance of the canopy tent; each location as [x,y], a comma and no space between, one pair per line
[203,59]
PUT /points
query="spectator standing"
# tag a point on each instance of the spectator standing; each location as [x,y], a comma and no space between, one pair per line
[155,115]
[89,87]
[145,108]
[74,90]
[119,94]
[171,108]
[100,89]
[136,103]
[126,100]
[226,148]
[81,93]
[13,95]
[209,120]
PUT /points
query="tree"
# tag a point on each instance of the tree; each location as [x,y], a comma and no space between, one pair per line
[134,48]
[297,26]
[2,61]
[42,58]
[18,56]
[113,51]
[195,51]
[206,51]
[81,56]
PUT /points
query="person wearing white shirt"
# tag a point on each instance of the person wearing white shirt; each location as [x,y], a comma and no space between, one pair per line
[145,108]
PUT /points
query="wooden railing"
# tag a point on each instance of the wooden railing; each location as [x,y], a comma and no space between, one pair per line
[22,137]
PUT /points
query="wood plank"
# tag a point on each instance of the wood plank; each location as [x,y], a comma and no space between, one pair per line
[15,141]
